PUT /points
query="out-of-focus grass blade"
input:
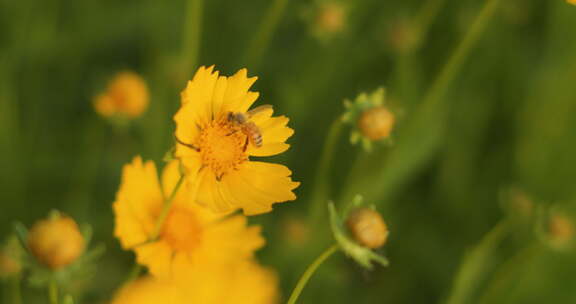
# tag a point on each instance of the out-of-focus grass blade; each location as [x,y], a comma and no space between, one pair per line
[475,266]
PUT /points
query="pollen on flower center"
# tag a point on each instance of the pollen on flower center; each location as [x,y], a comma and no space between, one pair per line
[181,230]
[222,146]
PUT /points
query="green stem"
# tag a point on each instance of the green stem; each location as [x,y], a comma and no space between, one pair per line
[166,208]
[53,292]
[449,71]
[321,180]
[423,134]
[192,34]
[427,14]
[309,272]
[475,265]
[262,38]
[16,290]
[508,273]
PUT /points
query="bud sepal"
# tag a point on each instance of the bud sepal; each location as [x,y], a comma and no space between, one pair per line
[361,254]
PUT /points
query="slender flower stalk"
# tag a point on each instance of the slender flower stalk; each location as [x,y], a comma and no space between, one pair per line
[426,16]
[192,34]
[428,118]
[509,272]
[321,180]
[262,38]
[309,272]
[472,270]
[16,291]
[53,292]
[137,268]
[456,60]
[166,208]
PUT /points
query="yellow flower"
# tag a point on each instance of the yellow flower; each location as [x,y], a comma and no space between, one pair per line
[191,235]
[215,147]
[149,290]
[245,283]
[572,1]
[126,96]
[56,241]
[10,258]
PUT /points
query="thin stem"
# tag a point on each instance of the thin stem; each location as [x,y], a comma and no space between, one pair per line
[321,182]
[261,40]
[449,71]
[473,268]
[427,14]
[166,208]
[16,290]
[508,272]
[53,292]
[309,272]
[414,149]
[192,34]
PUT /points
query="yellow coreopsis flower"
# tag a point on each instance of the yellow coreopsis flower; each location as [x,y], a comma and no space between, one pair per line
[126,96]
[572,1]
[149,290]
[216,135]
[245,283]
[190,235]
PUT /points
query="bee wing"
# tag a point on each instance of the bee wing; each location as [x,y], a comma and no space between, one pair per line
[258,109]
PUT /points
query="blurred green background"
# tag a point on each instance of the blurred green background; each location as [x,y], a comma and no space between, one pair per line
[506,118]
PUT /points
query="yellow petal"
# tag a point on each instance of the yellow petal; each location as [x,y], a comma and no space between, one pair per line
[237,97]
[257,185]
[210,195]
[137,201]
[219,95]
[157,256]
[196,109]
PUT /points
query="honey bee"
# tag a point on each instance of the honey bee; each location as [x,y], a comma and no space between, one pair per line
[249,128]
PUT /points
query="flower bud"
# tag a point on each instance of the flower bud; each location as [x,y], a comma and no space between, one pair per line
[376,123]
[560,230]
[403,37]
[56,242]
[10,259]
[331,17]
[367,227]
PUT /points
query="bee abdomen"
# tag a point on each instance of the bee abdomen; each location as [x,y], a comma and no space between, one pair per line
[257,140]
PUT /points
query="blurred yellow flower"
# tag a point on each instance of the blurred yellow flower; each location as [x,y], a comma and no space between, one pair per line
[216,134]
[191,235]
[149,290]
[56,242]
[560,231]
[245,283]
[10,258]
[331,17]
[126,96]
[572,1]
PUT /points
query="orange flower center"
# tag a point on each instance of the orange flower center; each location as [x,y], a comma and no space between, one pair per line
[182,230]
[222,146]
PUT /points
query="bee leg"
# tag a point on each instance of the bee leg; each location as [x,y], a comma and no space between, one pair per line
[231,132]
[191,146]
[245,144]
[219,177]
